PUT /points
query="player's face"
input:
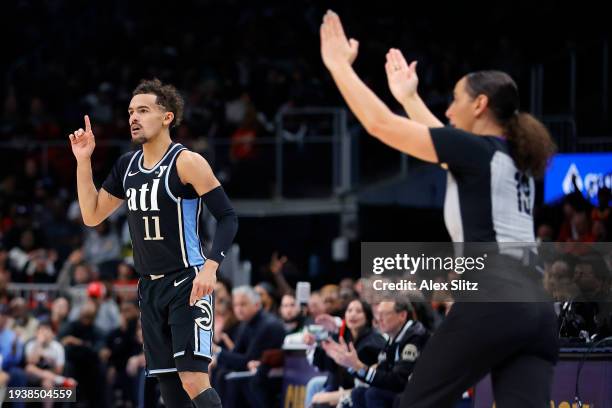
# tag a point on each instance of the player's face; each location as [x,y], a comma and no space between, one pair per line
[354,316]
[147,118]
[461,110]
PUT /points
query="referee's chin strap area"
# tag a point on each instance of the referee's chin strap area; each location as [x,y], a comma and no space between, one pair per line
[207,399]
[220,207]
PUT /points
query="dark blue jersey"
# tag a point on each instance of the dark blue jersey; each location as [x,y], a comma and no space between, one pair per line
[163,213]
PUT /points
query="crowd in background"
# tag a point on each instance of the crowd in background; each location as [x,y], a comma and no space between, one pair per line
[84,329]
[74,58]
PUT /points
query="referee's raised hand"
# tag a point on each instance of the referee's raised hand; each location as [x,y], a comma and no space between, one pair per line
[401,76]
[83,142]
[336,49]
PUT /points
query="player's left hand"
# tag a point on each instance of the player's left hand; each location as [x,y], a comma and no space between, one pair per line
[336,49]
[204,283]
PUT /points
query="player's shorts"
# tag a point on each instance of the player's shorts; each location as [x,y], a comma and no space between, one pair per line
[177,337]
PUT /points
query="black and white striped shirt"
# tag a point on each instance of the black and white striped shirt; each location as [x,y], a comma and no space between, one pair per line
[487,198]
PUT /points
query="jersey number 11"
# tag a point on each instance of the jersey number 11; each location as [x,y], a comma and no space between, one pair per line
[157,236]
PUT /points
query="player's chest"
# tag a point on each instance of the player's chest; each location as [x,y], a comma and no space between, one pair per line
[147,191]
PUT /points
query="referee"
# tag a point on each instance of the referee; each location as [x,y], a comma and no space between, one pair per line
[492,154]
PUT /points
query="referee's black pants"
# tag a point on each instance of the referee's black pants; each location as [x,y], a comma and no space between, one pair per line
[515,342]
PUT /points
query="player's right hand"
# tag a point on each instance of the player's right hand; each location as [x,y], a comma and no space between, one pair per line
[402,78]
[83,142]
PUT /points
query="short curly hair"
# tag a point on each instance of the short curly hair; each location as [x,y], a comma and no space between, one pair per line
[168,97]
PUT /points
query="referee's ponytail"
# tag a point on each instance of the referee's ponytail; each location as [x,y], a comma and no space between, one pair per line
[530,143]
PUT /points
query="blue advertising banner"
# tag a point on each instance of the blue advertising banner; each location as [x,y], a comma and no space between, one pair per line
[591,170]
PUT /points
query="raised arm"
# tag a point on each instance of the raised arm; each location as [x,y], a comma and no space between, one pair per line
[400,133]
[95,205]
[403,83]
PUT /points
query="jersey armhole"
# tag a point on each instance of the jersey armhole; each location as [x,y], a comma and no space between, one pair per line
[174,186]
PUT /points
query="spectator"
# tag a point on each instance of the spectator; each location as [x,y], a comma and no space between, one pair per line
[82,342]
[266,294]
[331,299]
[45,359]
[259,331]
[101,244]
[223,290]
[559,281]
[226,324]
[291,315]
[11,347]
[121,345]
[356,329]
[107,310]
[59,313]
[315,307]
[135,369]
[387,378]
[68,275]
[22,322]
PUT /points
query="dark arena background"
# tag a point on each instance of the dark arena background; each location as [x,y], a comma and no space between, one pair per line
[307,182]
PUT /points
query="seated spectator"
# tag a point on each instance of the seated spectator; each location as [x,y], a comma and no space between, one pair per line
[101,244]
[258,331]
[107,311]
[82,342]
[386,379]
[126,284]
[74,271]
[22,322]
[331,299]
[11,351]
[135,370]
[315,307]
[367,343]
[60,308]
[594,304]
[45,360]
[11,347]
[223,291]
[581,234]
[226,324]
[291,315]
[120,345]
[266,294]
[559,281]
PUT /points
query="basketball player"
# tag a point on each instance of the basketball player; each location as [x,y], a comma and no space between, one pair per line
[165,186]
[492,152]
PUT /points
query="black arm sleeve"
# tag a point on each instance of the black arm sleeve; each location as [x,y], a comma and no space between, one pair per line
[461,151]
[220,207]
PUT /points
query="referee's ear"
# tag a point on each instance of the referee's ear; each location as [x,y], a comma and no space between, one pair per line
[481,103]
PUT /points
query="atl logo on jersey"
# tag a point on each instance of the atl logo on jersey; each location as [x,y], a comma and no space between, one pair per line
[133,195]
[145,199]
